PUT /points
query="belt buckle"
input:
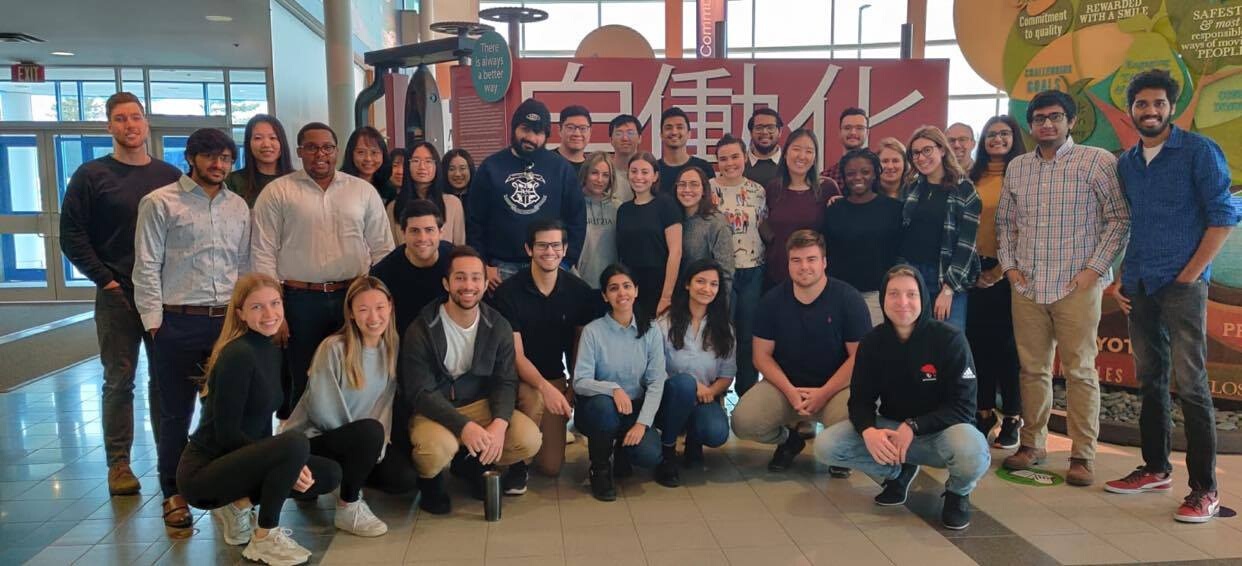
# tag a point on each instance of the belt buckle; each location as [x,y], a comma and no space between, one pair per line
[325,286]
[217,311]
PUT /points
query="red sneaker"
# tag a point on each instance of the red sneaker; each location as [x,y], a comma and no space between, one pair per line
[1199,507]
[1139,481]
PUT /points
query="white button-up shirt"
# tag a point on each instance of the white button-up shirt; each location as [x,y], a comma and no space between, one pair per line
[188,249]
[305,233]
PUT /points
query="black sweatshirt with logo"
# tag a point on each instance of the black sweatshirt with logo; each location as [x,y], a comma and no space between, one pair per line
[930,377]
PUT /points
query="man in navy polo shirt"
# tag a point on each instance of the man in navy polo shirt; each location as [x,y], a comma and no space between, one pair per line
[806,333]
[1177,184]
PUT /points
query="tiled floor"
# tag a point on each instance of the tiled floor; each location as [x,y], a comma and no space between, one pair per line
[55,509]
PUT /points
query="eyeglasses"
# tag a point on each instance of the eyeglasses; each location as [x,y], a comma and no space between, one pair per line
[545,246]
[688,185]
[423,162]
[624,134]
[925,152]
[1055,118]
[325,149]
[766,128]
[1002,134]
[576,129]
[961,139]
[221,157]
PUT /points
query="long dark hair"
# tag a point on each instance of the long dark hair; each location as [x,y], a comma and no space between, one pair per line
[435,191]
[284,163]
[707,206]
[641,319]
[380,178]
[870,157]
[655,166]
[981,153]
[718,333]
[812,175]
[442,172]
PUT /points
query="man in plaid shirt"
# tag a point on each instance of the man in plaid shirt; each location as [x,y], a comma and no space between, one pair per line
[1061,222]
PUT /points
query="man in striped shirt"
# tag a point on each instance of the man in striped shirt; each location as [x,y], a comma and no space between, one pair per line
[1061,222]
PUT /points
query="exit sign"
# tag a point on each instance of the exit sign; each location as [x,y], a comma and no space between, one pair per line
[27,73]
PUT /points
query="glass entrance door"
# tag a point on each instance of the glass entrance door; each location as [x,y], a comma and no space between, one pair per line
[24,220]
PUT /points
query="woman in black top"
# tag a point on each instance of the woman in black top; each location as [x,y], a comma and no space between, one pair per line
[367,157]
[649,236]
[266,157]
[863,229]
[232,461]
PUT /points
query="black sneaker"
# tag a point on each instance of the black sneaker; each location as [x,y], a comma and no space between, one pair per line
[986,424]
[666,473]
[478,486]
[601,484]
[955,515]
[896,490]
[839,472]
[785,453]
[432,497]
[692,456]
[515,478]
[1008,436]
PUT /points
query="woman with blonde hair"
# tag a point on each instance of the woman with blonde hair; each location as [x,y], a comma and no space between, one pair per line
[599,248]
[940,220]
[347,408]
[233,462]
[896,169]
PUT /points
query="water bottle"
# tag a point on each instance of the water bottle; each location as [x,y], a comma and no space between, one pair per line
[491,503]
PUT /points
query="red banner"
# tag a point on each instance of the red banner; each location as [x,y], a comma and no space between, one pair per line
[721,94]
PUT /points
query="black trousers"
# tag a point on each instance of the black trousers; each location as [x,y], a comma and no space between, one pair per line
[650,282]
[263,471]
[989,329]
[357,447]
[182,346]
[312,316]
[395,474]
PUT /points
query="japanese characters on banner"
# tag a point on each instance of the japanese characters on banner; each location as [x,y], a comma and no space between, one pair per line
[721,94]
[1090,49]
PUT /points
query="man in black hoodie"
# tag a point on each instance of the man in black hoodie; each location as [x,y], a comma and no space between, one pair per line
[921,372]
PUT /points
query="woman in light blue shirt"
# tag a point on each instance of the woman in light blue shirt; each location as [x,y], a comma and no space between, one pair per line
[699,345]
[621,388]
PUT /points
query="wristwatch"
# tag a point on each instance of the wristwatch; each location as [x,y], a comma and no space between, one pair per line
[913,424]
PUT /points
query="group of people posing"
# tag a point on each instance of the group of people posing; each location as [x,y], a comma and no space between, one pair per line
[890,297]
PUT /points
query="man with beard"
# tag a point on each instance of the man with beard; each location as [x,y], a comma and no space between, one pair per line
[1177,185]
[625,133]
[457,377]
[316,230]
[193,242]
[575,135]
[1060,223]
[853,135]
[519,185]
[674,136]
[97,225]
[547,307]
[764,156]
[806,332]
[962,143]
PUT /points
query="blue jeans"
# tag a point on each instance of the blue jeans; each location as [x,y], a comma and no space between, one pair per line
[744,299]
[597,418]
[957,310]
[182,346]
[961,449]
[119,330]
[706,424]
[1167,332]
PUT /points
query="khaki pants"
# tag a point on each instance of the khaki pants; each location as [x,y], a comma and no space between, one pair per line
[763,413]
[434,445]
[551,454]
[1067,327]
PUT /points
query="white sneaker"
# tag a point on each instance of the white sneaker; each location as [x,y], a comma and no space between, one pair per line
[357,519]
[237,524]
[276,549]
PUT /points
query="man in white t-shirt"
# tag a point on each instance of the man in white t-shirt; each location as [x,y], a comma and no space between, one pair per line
[457,378]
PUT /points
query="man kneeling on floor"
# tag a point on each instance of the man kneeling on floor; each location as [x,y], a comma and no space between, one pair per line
[458,376]
[921,372]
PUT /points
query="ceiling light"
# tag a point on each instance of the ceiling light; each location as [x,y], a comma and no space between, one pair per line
[219,18]
[63,53]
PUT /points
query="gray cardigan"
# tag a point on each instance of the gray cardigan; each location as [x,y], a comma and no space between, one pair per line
[708,238]
[428,389]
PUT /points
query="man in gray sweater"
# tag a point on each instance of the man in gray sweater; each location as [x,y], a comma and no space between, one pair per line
[457,376]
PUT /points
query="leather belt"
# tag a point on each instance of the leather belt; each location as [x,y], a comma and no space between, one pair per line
[327,287]
[196,310]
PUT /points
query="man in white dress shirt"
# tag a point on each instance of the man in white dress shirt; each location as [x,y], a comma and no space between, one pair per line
[316,230]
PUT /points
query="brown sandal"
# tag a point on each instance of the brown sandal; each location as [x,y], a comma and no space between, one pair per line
[177,513]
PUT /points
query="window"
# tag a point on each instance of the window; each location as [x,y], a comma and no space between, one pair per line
[247,94]
[187,92]
[647,18]
[567,24]
[793,23]
[976,111]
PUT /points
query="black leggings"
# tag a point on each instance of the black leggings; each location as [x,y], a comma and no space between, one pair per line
[355,446]
[989,328]
[263,471]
